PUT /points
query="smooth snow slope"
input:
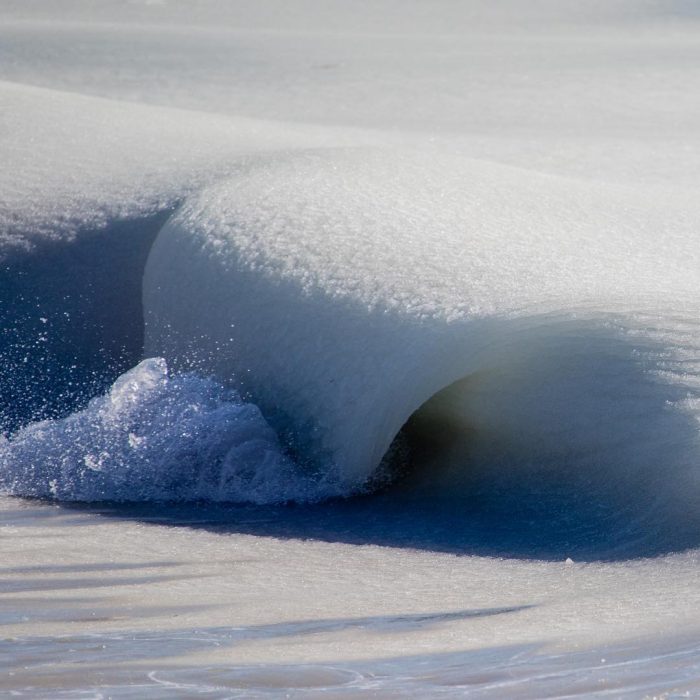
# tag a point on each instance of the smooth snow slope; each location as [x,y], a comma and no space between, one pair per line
[602,90]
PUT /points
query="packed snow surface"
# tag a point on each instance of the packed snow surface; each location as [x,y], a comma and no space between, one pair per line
[428,272]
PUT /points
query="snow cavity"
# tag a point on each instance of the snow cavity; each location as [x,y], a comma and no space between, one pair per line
[156,436]
[590,423]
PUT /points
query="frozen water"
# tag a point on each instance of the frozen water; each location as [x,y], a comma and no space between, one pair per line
[154,437]
[400,275]
[451,244]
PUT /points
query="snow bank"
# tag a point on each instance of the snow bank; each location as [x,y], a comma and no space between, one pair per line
[74,163]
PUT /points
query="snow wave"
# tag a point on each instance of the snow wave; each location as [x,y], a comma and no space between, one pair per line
[326,326]
[343,290]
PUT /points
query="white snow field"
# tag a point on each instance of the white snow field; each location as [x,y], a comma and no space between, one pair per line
[349,349]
